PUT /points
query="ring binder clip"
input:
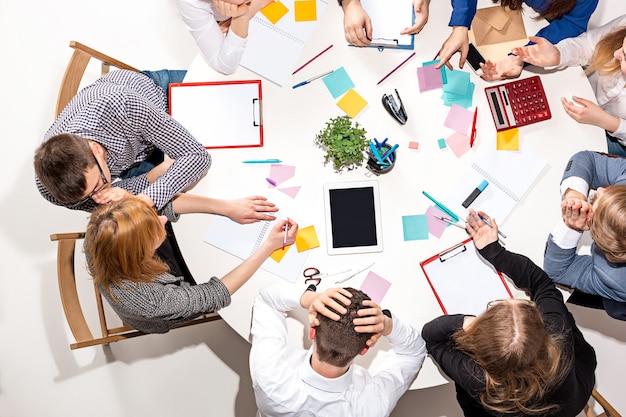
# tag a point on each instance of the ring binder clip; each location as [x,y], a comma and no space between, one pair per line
[452,252]
[397,112]
[257,116]
[382,43]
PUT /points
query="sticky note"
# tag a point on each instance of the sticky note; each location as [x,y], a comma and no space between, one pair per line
[459,119]
[375,287]
[279,254]
[436,227]
[281,173]
[414,145]
[274,11]
[443,70]
[429,78]
[352,103]
[459,143]
[415,227]
[441,143]
[290,191]
[458,81]
[307,239]
[508,140]
[338,82]
[463,100]
[305,10]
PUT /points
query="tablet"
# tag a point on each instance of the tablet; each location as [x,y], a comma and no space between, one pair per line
[353,218]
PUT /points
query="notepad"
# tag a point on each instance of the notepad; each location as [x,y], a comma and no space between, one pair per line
[510,175]
[388,21]
[224,114]
[273,50]
[462,281]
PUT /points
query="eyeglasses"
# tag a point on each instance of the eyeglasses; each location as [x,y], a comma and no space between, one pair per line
[494,302]
[105,182]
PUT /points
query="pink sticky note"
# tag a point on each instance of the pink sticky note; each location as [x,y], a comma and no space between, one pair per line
[281,173]
[375,286]
[290,191]
[459,119]
[414,145]
[429,78]
[436,227]
[459,143]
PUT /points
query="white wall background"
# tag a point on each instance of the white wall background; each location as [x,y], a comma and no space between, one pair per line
[191,372]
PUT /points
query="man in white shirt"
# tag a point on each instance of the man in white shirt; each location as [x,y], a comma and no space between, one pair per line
[323,381]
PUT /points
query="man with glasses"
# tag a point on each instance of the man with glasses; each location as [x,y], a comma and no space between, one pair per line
[110,140]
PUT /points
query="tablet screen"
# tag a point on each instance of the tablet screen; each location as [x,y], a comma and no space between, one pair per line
[353,217]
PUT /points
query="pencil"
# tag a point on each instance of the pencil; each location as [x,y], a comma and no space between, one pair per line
[396,68]
[312,59]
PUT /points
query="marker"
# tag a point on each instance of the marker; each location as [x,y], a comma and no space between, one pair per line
[442,207]
[474,194]
[488,223]
[375,153]
[262,161]
[449,222]
[312,59]
[473,134]
[389,152]
[396,68]
[312,79]
[271,181]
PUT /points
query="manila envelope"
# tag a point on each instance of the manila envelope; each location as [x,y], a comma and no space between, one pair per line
[497,24]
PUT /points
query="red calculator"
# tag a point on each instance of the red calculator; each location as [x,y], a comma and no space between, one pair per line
[518,103]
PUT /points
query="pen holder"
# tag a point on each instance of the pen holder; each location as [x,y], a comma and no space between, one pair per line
[375,166]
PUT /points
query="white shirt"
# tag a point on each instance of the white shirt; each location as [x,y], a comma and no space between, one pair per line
[223,53]
[609,90]
[286,385]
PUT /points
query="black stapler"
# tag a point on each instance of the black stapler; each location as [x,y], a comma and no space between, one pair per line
[397,112]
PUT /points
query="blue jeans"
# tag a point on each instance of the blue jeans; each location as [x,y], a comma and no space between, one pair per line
[614,147]
[163,78]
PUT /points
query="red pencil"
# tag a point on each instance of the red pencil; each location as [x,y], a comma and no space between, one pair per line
[312,59]
[473,134]
[396,68]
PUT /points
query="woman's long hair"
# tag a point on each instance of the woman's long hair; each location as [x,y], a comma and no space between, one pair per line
[121,239]
[520,359]
[602,59]
[555,10]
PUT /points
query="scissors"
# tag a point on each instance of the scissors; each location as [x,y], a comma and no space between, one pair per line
[313,275]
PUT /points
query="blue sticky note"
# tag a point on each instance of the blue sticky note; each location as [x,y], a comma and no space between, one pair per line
[463,100]
[415,227]
[442,143]
[338,82]
[458,81]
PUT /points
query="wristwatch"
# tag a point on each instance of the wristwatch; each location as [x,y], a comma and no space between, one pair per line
[387,313]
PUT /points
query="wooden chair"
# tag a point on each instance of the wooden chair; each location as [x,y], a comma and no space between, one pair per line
[609,411]
[72,305]
[75,71]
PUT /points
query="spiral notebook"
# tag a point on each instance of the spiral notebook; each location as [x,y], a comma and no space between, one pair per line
[510,175]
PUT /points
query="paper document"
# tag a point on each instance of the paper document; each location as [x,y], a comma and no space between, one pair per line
[389,18]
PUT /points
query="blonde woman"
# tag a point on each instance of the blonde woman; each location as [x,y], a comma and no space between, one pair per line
[601,50]
[519,357]
[120,244]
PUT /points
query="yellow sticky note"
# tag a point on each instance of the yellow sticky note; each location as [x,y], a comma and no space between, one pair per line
[508,140]
[305,10]
[279,254]
[307,239]
[352,103]
[274,11]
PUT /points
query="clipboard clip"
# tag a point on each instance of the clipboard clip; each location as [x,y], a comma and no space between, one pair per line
[452,252]
[257,115]
[382,43]
[397,112]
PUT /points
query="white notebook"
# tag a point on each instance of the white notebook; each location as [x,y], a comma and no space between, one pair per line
[272,50]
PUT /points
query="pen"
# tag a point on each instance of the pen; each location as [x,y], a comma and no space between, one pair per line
[262,161]
[473,133]
[474,194]
[285,238]
[312,79]
[376,153]
[442,207]
[312,59]
[389,152]
[355,272]
[396,68]
[449,222]
[488,223]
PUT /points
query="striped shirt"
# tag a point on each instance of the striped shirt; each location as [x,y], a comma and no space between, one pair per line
[126,113]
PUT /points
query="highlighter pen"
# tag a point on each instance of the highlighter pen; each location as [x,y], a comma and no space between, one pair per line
[442,207]
[488,223]
[262,161]
[474,194]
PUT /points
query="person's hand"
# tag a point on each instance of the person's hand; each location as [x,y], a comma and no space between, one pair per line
[576,213]
[112,195]
[357,24]
[542,53]
[421,17]
[319,303]
[256,5]
[508,67]
[225,25]
[458,41]
[250,209]
[230,9]
[276,238]
[589,113]
[372,320]
[479,231]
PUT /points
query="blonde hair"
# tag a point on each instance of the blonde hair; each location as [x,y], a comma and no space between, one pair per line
[602,59]
[555,10]
[520,359]
[121,240]
[608,226]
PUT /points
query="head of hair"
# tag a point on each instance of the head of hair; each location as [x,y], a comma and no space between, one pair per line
[336,342]
[518,356]
[608,226]
[121,240]
[556,8]
[602,59]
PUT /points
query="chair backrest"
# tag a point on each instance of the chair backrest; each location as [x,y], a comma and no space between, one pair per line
[75,71]
[609,411]
[72,306]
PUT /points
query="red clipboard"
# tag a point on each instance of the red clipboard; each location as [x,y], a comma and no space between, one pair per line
[462,281]
[220,114]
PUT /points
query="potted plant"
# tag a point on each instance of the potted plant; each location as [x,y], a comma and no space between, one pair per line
[344,143]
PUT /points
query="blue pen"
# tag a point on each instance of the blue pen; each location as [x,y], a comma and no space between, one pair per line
[377,143]
[383,142]
[262,161]
[312,79]
[376,154]
[488,223]
[389,152]
[442,207]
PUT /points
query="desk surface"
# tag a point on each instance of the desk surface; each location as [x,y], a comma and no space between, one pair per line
[292,118]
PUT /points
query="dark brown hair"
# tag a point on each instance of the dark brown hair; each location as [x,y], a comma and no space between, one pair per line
[555,10]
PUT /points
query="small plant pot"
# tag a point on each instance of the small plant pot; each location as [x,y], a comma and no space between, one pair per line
[374,165]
